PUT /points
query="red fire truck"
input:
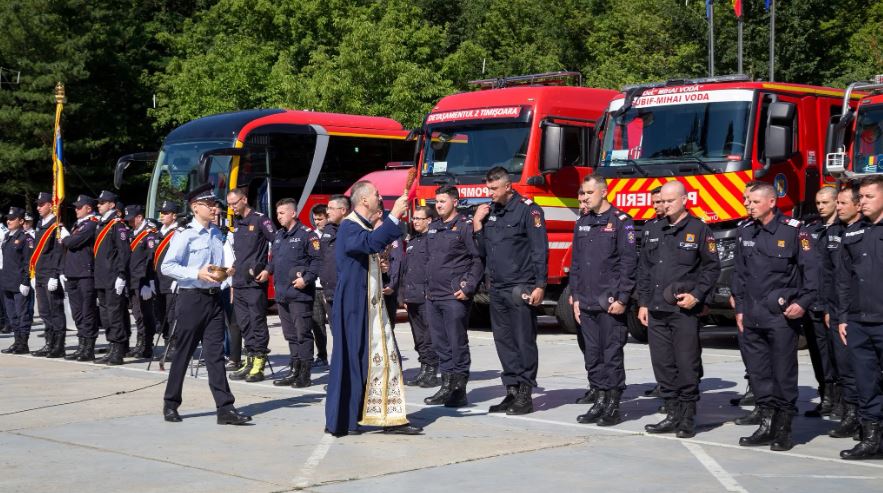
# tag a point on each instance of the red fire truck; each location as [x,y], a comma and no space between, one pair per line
[715,135]
[857,134]
[541,131]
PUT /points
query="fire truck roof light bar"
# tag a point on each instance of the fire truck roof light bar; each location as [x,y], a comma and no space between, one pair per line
[545,78]
[685,82]
[874,85]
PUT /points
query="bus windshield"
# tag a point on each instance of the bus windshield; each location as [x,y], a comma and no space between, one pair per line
[468,152]
[175,171]
[868,141]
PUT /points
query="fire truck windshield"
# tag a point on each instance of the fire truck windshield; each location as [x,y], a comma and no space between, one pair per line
[468,152]
[174,167]
[699,132]
[868,141]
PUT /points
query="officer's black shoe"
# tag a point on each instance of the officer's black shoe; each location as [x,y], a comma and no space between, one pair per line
[507,401]
[320,363]
[869,446]
[232,365]
[611,415]
[303,379]
[232,417]
[115,356]
[669,423]
[57,349]
[430,379]
[752,418]
[407,429]
[589,397]
[171,415]
[136,351]
[686,425]
[596,410]
[88,353]
[443,393]
[76,354]
[523,403]
[288,380]
[654,392]
[23,345]
[763,435]
[849,424]
[825,405]
[413,382]
[243,370]
[43,351]
[782,440]
[457,397]
[14,346]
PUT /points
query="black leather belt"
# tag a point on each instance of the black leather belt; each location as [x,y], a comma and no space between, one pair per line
[208,291]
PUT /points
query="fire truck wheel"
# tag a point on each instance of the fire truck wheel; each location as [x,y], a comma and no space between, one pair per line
[637,330]
[564,313]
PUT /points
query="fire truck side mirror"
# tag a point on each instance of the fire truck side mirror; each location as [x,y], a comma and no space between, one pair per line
[553,147]
[780,131]
[124,162]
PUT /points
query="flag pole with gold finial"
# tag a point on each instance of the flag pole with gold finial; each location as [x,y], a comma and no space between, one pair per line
[57,163]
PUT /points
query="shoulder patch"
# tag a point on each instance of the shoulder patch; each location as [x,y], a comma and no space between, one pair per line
[804,241]
[526,200]
[790,221]
[624,217]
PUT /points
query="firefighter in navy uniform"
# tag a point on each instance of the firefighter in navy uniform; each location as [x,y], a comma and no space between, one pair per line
[511,237]
[860,313]
[79,266]
[112,254]
[453,272]
[678,268]
[413,295]
[776,280]
[295,266]
[253,232]
[338,208]
[15,282]
[142,277]
[603,273]
[165,298]
[46,268]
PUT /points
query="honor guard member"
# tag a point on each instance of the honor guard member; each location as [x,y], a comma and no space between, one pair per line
[678,267]
[142,277]
[253,232]
[79,266]
[193,259]
[820,340]
[339,207]
[45,267]
[848,213]
[511,237]
[860,313]
[15,282]
[776,280]
[453,273]
[165,299]
[602,276]
[112,254]
[319,216]
[413,295]
[294,267]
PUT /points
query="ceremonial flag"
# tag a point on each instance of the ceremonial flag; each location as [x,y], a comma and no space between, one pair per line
[57,156]
[767,4]
[708,7]
[737,8]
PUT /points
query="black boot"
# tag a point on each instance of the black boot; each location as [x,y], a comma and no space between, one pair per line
[147,350]
[288,380]
[782,439]
[511,391]
[686,425]
[303,378]
[848,424]
[43,351]
[114,355]
[79,351]
[14,346]
[136,351]
[5,329]
[666,404]
[825,405]
[243,370]
[443,393]
[596,410]
[752,418]
[763,435]
[523,403]
[747,399]
[413,382]
[669,423]
[457,397]
[611,415]
[88,353]
[57,349]
[589,397]
[869,447]
[430,378]
[23,345]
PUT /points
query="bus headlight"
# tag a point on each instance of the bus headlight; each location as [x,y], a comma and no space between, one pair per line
[726,249]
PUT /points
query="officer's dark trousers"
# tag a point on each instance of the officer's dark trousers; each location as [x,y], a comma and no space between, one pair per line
[81,296]
[16,307]
[866,345]
[417,317]
[448,324]
[821,348]
[112,309]
[296,317]
[604,336]
[845,369]
[675,354]
[318,325]
[51,307]
[250,305]
[771,359]
[200,318]
[144,314]
[514,326]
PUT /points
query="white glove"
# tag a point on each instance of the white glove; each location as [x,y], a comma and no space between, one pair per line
[146,293]
[52,285]
[24,289]
[119,286]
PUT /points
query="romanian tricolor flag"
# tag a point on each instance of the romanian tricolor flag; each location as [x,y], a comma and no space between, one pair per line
[57,160]
[737,8]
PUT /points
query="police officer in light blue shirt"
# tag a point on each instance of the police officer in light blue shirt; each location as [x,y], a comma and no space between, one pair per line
[195,259]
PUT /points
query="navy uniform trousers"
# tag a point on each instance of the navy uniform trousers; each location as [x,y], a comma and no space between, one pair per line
[514,326]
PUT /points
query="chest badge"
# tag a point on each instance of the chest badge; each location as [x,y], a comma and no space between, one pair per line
[691,238]
[251,227]
[609,227]
[315,243]
[781,243]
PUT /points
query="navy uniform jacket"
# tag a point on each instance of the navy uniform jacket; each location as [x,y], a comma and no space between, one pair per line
[162,248]
[295,250]
[830,242]
[413,284]
[683,252]
[778,255]
[111,253]
[604,259]
[141,267]
[818,231]
[49,262]
[251,245]
[17,248]
[860,298]
[328,271]
[79,259]
[514,246]
[391,278]
[454,260]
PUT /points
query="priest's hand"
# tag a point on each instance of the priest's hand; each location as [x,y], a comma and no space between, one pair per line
[400,206]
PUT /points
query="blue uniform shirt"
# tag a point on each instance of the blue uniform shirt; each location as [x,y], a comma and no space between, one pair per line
[190,250]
